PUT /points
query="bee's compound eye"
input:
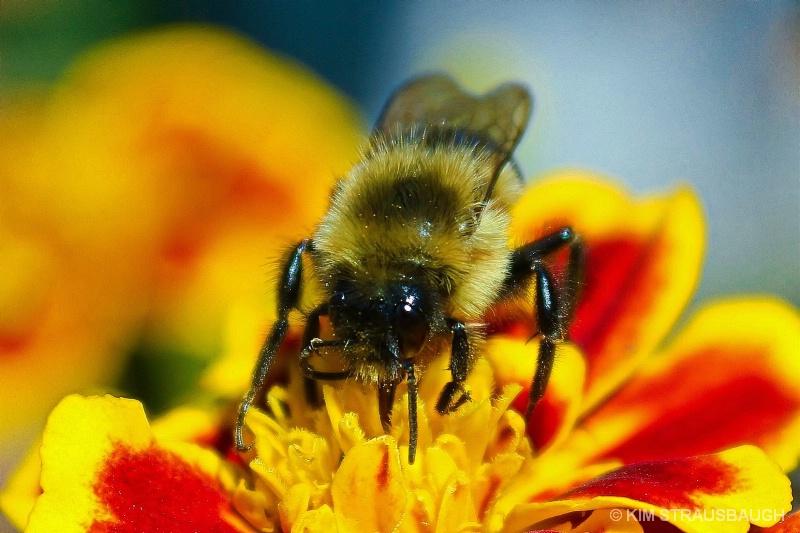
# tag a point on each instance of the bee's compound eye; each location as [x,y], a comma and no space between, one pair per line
[411,327]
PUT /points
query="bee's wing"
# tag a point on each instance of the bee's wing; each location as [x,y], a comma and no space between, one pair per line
[498,117]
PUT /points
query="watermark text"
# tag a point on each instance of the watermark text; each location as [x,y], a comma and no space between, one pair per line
[698,515]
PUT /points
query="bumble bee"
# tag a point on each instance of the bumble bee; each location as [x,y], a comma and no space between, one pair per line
[413,251]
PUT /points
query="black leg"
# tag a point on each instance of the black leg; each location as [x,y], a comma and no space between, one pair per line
[411,378]
[550,326]
[309,372]
[576,265]
[288,297]
[553,313]
[453,394]
[312,332]
[524,257]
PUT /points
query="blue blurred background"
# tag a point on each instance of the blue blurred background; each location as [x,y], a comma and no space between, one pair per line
[652,93]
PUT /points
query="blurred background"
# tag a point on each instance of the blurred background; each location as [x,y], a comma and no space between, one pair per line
[652,94]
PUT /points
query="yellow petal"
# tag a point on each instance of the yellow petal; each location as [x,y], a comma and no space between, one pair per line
[369,493]
[457,511]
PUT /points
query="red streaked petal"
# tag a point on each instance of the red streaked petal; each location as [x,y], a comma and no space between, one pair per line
[457,510]
[102,471]
[543,479]
[643,263]
[153,489]
[667,484]
[721,493]
[731,377]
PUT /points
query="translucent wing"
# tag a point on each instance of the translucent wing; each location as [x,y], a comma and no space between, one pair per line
[498,117]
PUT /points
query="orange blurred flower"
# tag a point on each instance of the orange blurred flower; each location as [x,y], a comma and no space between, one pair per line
[142,197]
[695,433]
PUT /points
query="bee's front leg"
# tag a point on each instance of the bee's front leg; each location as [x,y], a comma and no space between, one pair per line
[288,298]
[453,394]
[312,332]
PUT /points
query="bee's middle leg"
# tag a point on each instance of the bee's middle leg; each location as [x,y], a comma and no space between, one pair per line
[554,308]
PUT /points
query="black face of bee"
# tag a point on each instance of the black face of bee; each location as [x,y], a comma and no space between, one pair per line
[400,310]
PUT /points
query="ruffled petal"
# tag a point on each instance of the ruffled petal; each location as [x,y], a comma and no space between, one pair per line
[719,493]
[102,471]
[643,260]
[731,377]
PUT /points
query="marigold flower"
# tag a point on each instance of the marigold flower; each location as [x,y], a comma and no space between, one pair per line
[478,469]
[634,433]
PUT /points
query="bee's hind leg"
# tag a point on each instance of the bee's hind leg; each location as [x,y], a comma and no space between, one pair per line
[553,314]
[453,394]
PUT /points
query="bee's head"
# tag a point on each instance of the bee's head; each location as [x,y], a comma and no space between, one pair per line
[402,310]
